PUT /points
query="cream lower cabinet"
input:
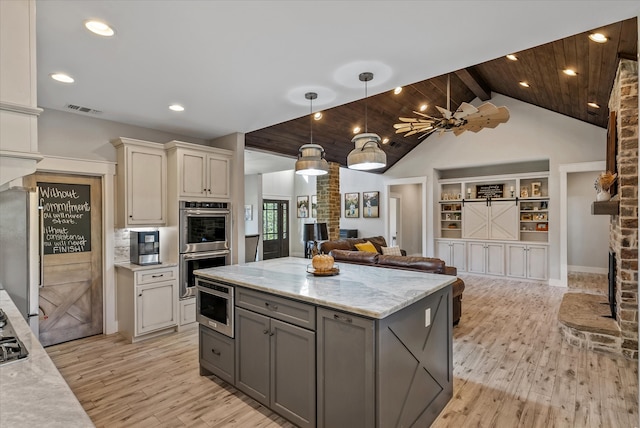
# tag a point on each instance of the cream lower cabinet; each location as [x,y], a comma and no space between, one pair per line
[485,258]
[527,261]
[147,301]
[453,252]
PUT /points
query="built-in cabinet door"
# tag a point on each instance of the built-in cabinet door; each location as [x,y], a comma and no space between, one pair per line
[252,355]
[485,257]
[146,189]
[503,220]
[459,256]
[157,306]
[517,260]
[476,257]
[495,258]
[293,373]
[537,262]
[475,220]
[193,174]
[346,370]
[443,251]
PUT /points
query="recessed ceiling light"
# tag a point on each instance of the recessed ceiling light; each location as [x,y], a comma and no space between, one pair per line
[99,28]
[385,141]
[423,107]
[598,37]
[318,115]
[594,105]
[512,57]
[176,107]
[61,77]
[397,90]
[525,84]
[569,72]
[356,130]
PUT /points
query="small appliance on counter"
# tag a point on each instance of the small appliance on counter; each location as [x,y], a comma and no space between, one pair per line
[145,247]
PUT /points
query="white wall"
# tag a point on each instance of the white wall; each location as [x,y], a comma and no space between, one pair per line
[587,235]
[532,133]
[253,197]
[352,181]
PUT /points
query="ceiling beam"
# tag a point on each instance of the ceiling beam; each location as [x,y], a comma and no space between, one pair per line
[474,82]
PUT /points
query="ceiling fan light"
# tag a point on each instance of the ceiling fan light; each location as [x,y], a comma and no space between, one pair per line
[367,154]
[598,37]
[311,160]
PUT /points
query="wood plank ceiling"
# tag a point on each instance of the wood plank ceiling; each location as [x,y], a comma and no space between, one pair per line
[541,67]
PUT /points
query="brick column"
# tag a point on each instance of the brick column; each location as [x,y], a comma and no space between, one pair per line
[624,227]
[328,191]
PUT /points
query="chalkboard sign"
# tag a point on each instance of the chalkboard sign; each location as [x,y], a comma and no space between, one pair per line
[489,191]
[66,217]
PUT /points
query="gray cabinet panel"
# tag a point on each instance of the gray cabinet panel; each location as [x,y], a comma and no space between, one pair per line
[252,357]
[217,354]
[346,370]
[291,311]
[293,373]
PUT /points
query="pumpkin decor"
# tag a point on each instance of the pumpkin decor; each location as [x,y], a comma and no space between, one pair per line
[322,262]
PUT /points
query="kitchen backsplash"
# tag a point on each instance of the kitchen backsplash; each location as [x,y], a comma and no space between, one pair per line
[121,245]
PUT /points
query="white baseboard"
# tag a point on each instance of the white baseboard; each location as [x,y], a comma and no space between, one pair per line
[587,269]
[557,283]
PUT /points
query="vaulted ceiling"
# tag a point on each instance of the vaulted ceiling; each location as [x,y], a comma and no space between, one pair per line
[541,67]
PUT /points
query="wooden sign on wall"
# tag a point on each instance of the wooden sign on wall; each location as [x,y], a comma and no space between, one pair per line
[66,217]
[489,191]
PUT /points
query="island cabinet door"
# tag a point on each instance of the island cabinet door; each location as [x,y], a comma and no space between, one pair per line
[293,373]
[346,370]
[252,354]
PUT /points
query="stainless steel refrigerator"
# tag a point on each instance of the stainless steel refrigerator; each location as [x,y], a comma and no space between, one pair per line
[20,251]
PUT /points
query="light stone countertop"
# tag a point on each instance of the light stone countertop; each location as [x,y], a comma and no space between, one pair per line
[374,292]
[137,268]
[33,393]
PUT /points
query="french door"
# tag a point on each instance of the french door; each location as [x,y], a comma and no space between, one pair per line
[275,229]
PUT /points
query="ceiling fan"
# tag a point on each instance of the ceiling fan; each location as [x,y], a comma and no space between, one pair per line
[465,118]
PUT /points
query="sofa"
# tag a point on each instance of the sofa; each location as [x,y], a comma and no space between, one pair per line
[345,251]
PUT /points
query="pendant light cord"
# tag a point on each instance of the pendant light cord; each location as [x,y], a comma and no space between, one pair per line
[311,118]
[366,128]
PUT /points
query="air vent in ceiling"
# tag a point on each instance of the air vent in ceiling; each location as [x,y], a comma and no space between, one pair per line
[82,109]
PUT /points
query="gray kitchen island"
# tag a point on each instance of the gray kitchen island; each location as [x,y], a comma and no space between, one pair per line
[368,347]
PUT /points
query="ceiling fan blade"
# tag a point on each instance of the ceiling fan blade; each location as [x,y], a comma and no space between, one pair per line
[445,113]
[465,109]
[408,134]
[424,115]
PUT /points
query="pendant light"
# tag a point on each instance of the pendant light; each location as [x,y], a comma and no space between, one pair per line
[367,154]
[311,159]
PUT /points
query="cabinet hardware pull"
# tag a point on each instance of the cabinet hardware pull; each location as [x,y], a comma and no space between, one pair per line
[272,333]
[140,295]
[215,352]
[273,308]
[339,318]
[157,276]
[265,331]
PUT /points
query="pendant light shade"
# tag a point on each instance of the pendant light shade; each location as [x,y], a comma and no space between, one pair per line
[311,159]
[367,153]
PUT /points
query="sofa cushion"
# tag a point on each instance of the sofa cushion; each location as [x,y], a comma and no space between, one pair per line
[327,246]
[391,251]
[360,257]
[367,246]
[426,264]
[378,242]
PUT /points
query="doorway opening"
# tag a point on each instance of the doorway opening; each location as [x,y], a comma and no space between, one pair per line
[275,228]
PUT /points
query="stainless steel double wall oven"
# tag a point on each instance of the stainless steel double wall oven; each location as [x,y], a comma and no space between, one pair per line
[204,240]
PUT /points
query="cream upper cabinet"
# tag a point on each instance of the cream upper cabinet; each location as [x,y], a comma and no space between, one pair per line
[141,194]
[201,172]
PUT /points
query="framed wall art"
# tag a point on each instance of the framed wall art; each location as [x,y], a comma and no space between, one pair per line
[248,212]
[314,206]
[352,205]
[370,204]
[302,206]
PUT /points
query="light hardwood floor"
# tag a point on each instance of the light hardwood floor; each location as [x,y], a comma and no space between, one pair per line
[511,369]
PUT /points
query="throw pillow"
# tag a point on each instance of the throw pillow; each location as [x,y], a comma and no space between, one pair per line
[366,246]
[391,251]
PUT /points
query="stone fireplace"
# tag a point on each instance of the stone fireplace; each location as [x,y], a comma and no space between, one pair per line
[586,320]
